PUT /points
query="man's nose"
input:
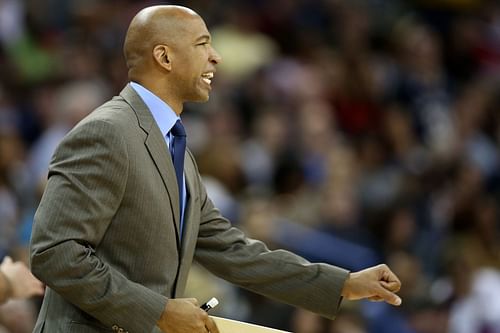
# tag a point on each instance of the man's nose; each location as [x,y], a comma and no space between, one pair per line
[215,57]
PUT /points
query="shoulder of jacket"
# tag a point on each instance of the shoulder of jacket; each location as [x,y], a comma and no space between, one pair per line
[116,113]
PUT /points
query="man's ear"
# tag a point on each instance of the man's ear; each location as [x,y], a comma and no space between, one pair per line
[161,54]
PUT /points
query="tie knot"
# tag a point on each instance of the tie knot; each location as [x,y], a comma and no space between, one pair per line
[178,129]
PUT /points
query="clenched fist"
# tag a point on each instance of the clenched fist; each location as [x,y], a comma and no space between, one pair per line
[183,315]
[376,283]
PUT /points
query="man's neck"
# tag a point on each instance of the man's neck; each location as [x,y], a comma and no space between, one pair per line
[162,94]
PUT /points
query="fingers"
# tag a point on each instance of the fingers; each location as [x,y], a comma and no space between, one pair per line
[391,286]
[388,296]
[389,276]
[211,326]
[376,283]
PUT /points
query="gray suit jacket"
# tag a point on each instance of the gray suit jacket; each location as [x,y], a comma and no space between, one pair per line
[106,234]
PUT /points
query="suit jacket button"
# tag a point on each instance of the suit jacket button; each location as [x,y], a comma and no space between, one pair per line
[114,328]
[120,330]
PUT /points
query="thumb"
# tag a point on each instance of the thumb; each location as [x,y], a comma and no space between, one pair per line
[194,301]
[388,296]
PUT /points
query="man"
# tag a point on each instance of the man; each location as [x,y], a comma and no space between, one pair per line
[118,225]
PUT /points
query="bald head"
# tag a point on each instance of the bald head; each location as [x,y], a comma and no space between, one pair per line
[168,50]
[152,26]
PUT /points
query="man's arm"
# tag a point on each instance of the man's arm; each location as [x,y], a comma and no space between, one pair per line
[87,180]
[282,275]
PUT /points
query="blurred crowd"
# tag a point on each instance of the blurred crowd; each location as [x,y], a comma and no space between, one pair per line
[352,132]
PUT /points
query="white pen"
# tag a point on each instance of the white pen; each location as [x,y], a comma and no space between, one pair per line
[212,303]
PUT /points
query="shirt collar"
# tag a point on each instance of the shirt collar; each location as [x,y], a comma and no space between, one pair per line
[162,113]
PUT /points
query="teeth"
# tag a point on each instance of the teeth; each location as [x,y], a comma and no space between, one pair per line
[207,77]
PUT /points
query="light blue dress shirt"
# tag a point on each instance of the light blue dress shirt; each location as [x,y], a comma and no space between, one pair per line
[165,118]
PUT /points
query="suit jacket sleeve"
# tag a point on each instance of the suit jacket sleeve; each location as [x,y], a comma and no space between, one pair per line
[279,274]
[87,179]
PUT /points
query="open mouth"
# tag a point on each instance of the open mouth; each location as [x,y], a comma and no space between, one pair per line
[207,77]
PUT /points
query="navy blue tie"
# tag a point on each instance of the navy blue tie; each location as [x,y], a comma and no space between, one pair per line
[179,149]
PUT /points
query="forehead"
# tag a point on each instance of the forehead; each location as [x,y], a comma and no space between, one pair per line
[192,28]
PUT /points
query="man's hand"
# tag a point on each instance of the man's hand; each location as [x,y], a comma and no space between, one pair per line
[23,283]
[376,283]
[183,315]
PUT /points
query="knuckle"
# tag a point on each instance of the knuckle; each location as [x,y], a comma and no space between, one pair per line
[201,316]
[204,316]
[198,322]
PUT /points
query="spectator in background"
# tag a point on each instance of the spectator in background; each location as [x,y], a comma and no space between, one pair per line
[16,281]
[17,285]
[12,179]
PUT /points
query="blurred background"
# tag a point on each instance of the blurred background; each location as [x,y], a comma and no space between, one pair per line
[351,132]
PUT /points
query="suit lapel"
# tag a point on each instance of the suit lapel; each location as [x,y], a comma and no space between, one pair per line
[157,148]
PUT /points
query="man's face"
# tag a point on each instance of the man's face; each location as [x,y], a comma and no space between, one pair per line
[194,61]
